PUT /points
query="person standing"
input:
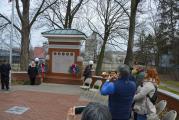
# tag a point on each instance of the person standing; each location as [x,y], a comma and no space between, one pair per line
[121,92]
[88,70]
[5,70]
[138,73]
[42,70]
[32,72]
[144,107]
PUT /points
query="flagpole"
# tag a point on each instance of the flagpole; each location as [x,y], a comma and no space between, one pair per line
[11,40]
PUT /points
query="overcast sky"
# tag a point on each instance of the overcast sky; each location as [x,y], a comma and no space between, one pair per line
[36,37]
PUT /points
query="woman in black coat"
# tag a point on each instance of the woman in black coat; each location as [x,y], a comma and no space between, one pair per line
[32,72]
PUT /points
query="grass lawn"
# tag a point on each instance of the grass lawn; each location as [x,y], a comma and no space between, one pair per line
[171,82]
[169,89]
[170,85]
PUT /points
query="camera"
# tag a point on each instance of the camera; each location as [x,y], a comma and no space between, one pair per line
[79,109]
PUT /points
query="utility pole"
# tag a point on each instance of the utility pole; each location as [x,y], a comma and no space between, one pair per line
[11,39]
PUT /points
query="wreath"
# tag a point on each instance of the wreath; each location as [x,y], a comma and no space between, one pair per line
[74,69]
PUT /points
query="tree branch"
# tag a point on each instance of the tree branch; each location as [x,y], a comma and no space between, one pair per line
[18,10]
[3,26]
[76,8]
[48,18]
[2,16]
[96,30]
[39,11]
[123,8]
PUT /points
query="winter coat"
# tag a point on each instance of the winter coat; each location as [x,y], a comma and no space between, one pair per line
[32,71]
[88,71]
[5,70]
[143,105]
[121,93]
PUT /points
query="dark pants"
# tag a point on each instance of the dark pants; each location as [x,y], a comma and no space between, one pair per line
[32,80]
[141,117]
[120,119]
[5,82]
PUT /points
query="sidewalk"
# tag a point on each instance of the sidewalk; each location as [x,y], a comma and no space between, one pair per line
[50,88]
[46,101]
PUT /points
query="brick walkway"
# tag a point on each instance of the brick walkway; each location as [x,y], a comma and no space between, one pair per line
[43,105]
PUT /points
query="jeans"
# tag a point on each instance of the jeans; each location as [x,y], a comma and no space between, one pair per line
[141,117]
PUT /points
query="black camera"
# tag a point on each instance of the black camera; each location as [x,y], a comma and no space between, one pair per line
[79,109]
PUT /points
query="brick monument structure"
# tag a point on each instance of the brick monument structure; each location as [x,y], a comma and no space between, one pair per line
[63,51]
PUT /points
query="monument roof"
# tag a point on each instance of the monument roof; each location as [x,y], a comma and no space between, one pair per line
[63,32]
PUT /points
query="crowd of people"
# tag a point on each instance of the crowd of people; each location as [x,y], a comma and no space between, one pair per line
[34,68]
[132,93]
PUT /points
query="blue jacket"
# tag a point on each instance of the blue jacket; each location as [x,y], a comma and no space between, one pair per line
[121,93]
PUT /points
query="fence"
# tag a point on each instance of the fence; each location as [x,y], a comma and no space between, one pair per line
[106,66]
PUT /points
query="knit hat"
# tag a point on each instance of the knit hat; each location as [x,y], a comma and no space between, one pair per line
[124,69]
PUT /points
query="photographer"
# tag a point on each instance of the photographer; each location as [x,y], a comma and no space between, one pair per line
[93,111]
[121,92]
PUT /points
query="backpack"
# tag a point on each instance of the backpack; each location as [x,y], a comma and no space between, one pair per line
[154,98]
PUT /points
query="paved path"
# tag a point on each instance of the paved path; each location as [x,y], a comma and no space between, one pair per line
[46,101]
[50,88]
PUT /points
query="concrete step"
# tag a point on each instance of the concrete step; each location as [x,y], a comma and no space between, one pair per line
[63,80]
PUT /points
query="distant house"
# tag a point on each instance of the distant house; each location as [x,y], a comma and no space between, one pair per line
[114,57]
[92,46]
[4,55]
[39,52]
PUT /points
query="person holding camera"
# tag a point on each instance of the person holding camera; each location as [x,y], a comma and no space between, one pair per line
[121,92]
[93,111]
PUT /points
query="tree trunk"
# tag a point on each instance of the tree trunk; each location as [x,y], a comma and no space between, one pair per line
[129,56]
[70,21]
[101,56]
[68,12]
[24,58]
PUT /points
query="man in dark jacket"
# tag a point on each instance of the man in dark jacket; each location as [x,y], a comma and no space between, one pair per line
[88,70]
[5,70]
[121,93]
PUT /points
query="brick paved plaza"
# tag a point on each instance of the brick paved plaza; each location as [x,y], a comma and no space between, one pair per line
[46,102]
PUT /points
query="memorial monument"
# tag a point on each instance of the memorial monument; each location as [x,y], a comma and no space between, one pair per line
[63,53]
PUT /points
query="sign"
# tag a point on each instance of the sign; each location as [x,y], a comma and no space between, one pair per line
[61,61]
[17,110]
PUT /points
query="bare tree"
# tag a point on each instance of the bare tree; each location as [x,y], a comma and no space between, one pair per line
[62,14]
[26,24]
[113,18]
